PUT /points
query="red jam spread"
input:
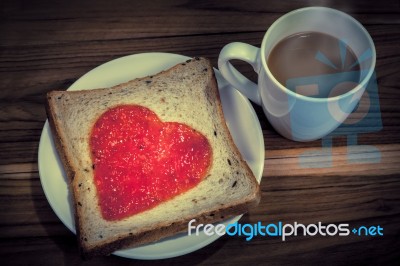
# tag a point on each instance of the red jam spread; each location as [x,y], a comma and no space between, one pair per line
[140,161]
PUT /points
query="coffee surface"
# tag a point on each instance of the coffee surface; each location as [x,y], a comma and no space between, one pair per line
[308,54]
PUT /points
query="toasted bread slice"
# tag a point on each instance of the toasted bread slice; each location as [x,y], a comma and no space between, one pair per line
[186,93]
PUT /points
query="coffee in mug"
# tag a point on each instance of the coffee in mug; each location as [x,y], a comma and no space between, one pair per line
[307,91]
[308,54]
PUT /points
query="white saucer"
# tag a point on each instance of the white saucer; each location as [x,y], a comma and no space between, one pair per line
[241,120]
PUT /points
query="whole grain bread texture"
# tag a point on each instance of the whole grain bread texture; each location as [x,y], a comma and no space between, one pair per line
[186,93]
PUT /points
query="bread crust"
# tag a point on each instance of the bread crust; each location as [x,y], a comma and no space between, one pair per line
[162,231]
[159,230]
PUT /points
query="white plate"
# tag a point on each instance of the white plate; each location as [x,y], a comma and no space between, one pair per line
[241,120]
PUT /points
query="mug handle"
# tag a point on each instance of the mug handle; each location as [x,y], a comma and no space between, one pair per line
[244,52]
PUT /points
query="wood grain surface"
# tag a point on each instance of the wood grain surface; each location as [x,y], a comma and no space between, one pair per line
[46,45]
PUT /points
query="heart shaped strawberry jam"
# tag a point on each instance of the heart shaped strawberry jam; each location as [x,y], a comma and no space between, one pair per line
[140,161]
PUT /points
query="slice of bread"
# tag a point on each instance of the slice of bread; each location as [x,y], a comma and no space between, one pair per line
[186,93]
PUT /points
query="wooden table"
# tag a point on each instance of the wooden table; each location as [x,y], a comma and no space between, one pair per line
[48,45]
